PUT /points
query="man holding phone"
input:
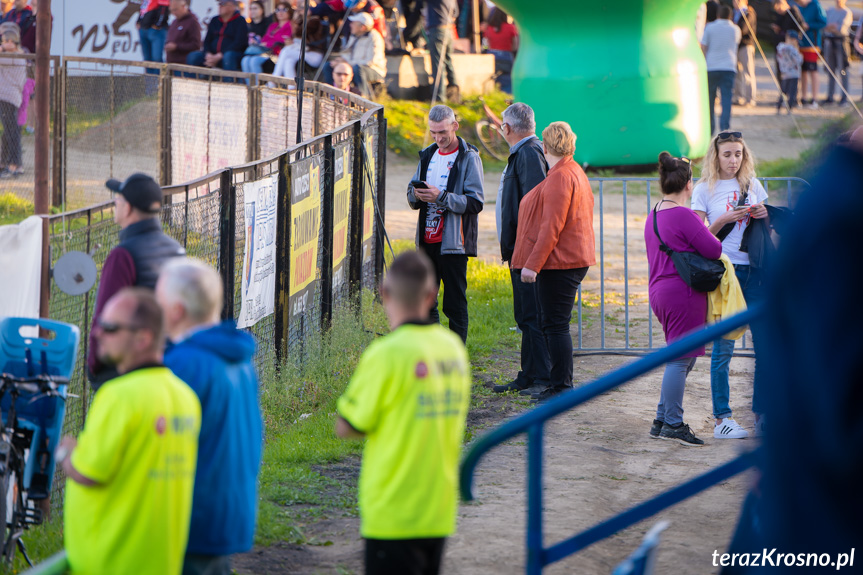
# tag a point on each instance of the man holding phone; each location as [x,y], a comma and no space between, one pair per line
[447,192]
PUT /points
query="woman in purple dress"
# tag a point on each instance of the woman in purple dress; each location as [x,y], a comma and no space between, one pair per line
[679,308]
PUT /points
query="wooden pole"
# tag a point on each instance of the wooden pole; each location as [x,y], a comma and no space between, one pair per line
[42,191]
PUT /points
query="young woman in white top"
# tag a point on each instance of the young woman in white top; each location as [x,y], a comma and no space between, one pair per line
[728,193]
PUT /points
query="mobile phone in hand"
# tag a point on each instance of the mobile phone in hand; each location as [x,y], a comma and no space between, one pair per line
[419,184]
[746,207]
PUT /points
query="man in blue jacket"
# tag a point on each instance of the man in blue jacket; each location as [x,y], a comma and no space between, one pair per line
[448,202]
[215,359]
[226,40]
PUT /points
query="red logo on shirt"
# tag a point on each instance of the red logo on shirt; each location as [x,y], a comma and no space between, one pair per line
[161,425]
[421,370]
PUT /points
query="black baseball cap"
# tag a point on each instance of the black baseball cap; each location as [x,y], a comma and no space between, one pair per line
[140,190]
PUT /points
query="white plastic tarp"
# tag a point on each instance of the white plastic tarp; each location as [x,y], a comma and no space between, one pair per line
[20,268]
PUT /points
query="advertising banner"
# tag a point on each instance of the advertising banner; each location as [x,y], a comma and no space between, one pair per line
[341,213]
[305,234]
[258,289]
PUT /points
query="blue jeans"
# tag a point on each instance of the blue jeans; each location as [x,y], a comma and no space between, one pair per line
[230,60]
[253,64]
[723,81]
[364,77]
[440,51]
[752,284]
[153,46]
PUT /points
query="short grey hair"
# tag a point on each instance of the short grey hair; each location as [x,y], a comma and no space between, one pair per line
[520,118]
[194,285]
[441,113]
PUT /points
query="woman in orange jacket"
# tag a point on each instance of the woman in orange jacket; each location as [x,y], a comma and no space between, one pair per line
[554,247]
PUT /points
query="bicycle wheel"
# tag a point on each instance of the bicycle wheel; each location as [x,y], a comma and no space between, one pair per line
[7,500]
[492,141]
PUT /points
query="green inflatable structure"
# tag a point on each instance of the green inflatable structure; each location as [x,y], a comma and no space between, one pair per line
[628,75]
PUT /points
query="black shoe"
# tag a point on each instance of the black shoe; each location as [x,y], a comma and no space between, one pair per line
[511,386]
[656,428]
[827,101]
[533,390]
[547,394]
[682,434]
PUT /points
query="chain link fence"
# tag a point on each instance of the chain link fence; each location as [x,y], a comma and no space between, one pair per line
[22,185]
[327,249]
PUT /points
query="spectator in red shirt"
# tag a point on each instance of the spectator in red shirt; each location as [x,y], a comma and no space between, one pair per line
[153,28]
[22,15]
[184,35]
[502,39]
[226,40]
[335,10]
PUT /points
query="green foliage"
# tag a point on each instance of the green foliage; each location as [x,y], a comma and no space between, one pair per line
[42,542]
[14,209]
[407,122]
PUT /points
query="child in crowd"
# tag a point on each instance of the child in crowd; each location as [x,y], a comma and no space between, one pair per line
[13,74]
[790,61]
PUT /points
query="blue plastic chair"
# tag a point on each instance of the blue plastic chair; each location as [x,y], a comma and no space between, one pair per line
[642,559]
[27,356]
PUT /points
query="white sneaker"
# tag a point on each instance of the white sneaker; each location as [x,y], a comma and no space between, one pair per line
[813,106]
[729,429]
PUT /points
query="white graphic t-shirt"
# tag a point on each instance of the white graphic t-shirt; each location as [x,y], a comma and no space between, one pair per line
[726,195]
[437,174]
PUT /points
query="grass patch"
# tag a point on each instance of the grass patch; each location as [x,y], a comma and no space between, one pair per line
[812,158]
[14,209]
[407,124]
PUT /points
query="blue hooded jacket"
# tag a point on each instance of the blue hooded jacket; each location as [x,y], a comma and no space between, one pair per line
[217,364]
[815,18]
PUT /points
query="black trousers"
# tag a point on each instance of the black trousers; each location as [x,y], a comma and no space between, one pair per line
[452,271]
[404,556]
[11,143]
[556,291]
[535,363]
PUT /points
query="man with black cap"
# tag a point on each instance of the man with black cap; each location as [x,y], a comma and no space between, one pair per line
[136,260]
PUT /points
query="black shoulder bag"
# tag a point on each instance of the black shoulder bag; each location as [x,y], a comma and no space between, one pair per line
[699,273]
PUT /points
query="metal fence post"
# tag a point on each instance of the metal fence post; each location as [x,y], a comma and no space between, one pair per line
[227,239]
[534,500]
[381,165]
[327,217]
[165,127]
[57,123]
[283,258]
[356,233]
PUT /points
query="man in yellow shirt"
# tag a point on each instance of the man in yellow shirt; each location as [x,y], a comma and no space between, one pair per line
[131,472]
[409,397]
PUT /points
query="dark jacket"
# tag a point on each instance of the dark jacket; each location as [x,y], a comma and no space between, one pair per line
[786,23]
[24,18]
[136,261]
[230,36]
[463,200]
[756,240]
[525,169]
[156,18]
[747,38]
[217,365]
[185,32]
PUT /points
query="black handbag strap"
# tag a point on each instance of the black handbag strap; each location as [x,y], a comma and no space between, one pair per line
[728,228]
[664,248]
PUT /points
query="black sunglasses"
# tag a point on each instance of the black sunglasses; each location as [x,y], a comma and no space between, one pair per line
[109,327]
[281,9]
[728,135]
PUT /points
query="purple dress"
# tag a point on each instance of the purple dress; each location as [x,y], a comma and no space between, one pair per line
[680,308]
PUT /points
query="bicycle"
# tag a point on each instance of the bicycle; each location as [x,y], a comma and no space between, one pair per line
[488,130]
[16,442]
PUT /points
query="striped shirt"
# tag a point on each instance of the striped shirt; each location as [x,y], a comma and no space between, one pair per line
[720,41]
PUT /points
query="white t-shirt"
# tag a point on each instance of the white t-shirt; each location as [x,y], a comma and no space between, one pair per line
[437,174]
[725,196]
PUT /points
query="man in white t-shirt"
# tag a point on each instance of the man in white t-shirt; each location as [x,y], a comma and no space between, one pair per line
[719,44]
[447,191]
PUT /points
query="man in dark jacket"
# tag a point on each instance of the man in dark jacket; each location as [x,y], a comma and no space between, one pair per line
[184,35]
[744,82]
[215,359]
[448,202]
[525,168]
[226,40]
[136,261]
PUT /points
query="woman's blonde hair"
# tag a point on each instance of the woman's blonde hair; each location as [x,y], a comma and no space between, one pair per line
[710,164]
[559,139]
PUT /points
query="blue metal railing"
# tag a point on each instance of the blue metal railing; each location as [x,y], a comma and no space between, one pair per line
[532,422]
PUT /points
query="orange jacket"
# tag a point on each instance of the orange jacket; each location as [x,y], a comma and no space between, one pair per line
[555,222]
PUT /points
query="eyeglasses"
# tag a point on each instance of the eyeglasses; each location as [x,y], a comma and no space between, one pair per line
[728,135]
[281,9]
[109,327]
